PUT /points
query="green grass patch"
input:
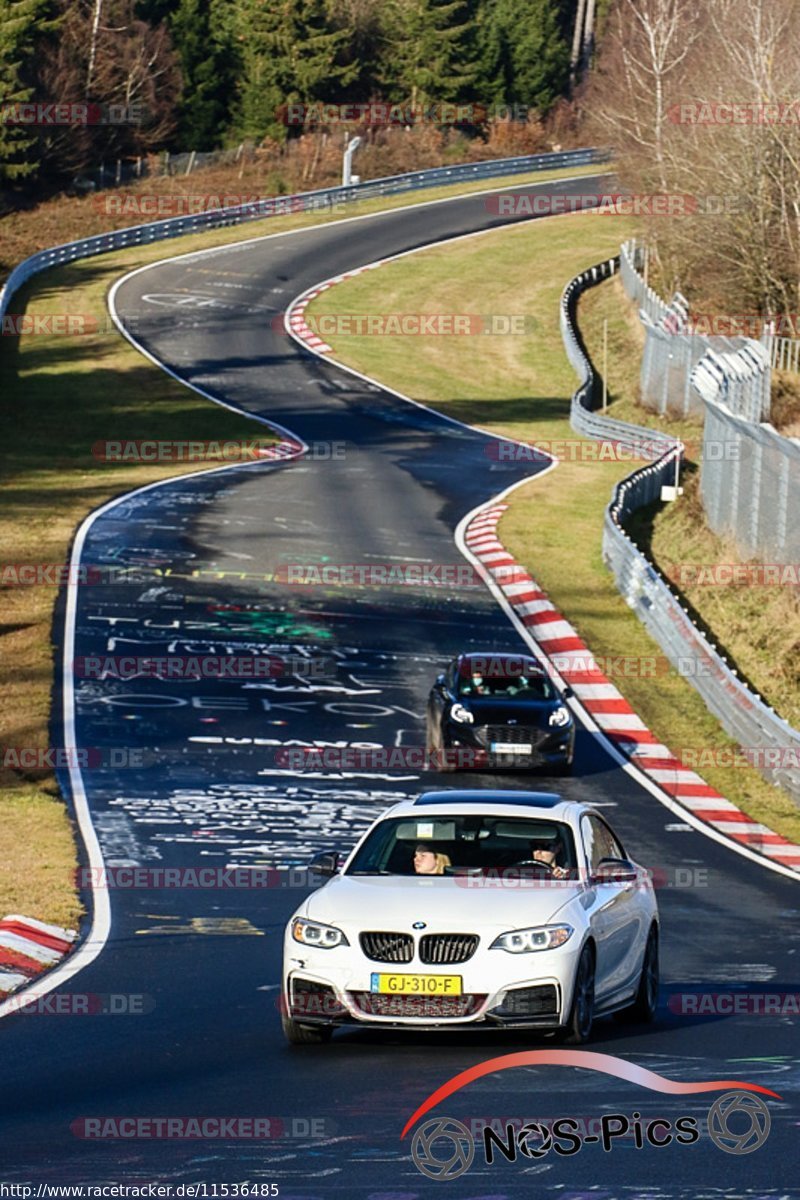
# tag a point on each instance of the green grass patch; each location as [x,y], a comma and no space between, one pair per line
[521,387]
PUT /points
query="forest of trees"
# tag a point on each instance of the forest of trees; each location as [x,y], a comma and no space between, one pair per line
[208,74]
[669,74]
[203,74]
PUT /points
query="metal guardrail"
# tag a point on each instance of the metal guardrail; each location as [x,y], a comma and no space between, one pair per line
[649,443]
[742,713]
[319,200]
[784,352]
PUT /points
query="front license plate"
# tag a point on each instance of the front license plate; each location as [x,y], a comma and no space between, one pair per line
[416,985]
[512,748]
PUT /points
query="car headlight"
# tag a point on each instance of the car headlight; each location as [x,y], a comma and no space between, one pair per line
[312,933]
[541,937]
[461,714]
[560,716]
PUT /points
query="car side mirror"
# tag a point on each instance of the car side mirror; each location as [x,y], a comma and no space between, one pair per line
[614,870]
[326,864]
[440,681]
[567,692]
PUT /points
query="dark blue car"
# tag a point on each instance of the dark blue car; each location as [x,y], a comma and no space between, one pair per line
[499,711]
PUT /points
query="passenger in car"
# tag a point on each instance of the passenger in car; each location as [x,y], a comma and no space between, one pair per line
[429,861]
[475,687]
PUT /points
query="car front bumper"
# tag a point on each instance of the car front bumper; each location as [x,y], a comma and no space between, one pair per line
[499,990]
[549,748]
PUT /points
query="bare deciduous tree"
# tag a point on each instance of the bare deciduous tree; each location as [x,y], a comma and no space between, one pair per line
[125,64]
[647,49]
[739,246]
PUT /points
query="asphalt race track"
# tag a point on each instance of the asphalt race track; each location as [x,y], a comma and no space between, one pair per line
[200,967]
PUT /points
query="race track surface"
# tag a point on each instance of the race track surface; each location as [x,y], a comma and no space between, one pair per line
[210,792]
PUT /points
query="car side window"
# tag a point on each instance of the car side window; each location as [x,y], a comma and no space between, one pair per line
[589,842]
[599,841]
[450,676]
[613,847]
[605,845]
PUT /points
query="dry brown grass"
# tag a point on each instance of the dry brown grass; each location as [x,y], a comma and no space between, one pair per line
[785,403]
[300,165]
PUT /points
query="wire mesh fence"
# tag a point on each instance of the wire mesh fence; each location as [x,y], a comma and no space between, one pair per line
[320,199]
[750,475]
[784,353]
[753,493]
[672,349]
[117,171]
[743,714]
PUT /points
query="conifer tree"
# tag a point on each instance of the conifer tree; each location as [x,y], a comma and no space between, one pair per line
[17,142]
[290,52]
[524,56]
[431,58]
[202,35]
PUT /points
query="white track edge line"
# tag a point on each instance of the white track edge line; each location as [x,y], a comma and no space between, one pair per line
[385,212]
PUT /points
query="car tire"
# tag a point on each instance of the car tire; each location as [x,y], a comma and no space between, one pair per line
[643,1009]
[578,1028]
[305,1035]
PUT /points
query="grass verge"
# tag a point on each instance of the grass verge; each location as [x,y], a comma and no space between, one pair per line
[521,387]
[58,396]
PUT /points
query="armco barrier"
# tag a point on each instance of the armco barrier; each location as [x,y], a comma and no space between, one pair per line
[582,417]
[323,198]
[741,712]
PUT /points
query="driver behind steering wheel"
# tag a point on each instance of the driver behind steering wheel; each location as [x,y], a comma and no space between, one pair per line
[546,853]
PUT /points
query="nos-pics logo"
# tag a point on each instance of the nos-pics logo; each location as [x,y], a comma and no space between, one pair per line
[444,1148]
[738,1121]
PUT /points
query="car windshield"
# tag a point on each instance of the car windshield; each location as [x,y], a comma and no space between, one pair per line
[516,686]
[464,844]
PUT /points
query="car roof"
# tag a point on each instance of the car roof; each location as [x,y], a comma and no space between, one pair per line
[502,656]
[499,803]
[472,796]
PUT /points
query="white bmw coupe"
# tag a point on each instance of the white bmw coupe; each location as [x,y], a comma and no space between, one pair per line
[475,908]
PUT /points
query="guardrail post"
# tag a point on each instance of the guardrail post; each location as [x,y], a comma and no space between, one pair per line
[783,507]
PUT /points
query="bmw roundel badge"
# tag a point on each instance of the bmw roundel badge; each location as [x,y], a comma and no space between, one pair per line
[419,925]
